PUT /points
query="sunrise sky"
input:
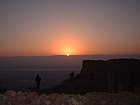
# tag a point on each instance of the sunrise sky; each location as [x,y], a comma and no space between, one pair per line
[75,27]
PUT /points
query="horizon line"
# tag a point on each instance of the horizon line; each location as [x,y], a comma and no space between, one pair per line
[73,55]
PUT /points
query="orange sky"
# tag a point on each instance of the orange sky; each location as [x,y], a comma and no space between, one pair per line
[41,28]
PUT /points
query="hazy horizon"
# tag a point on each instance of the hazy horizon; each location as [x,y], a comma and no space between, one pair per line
[122,55]
[53,62]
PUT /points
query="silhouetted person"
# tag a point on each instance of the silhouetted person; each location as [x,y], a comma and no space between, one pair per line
[38,79]
[71,75]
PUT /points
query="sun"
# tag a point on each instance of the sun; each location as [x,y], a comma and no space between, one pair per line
[67,52]
[68,55]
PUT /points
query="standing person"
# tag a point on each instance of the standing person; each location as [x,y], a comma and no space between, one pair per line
[38,79]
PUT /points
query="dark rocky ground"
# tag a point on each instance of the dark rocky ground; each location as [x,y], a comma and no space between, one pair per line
[93,98]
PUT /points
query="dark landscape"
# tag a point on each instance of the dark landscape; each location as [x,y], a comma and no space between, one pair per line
[104,80]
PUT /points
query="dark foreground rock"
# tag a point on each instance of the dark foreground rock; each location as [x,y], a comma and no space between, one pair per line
[94,98]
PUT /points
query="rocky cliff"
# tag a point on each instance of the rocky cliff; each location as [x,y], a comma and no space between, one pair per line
[111,76]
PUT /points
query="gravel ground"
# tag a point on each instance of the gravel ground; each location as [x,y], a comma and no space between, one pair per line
[95,98]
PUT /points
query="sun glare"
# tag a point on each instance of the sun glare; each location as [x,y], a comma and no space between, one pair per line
[68,55]
[67,52]
[67,45]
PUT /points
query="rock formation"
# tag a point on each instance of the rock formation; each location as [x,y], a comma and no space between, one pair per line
[111,76]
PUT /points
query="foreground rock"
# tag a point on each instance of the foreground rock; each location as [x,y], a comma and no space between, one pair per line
[96,98]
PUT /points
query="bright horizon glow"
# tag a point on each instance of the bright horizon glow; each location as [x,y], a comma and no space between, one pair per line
[68,51]
[67,45]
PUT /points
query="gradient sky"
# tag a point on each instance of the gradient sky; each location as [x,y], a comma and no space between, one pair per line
[56,27]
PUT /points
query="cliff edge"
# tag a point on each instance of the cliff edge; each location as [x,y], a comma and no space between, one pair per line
[110,76]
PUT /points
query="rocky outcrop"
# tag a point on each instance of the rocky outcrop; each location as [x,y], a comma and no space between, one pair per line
[110,76]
